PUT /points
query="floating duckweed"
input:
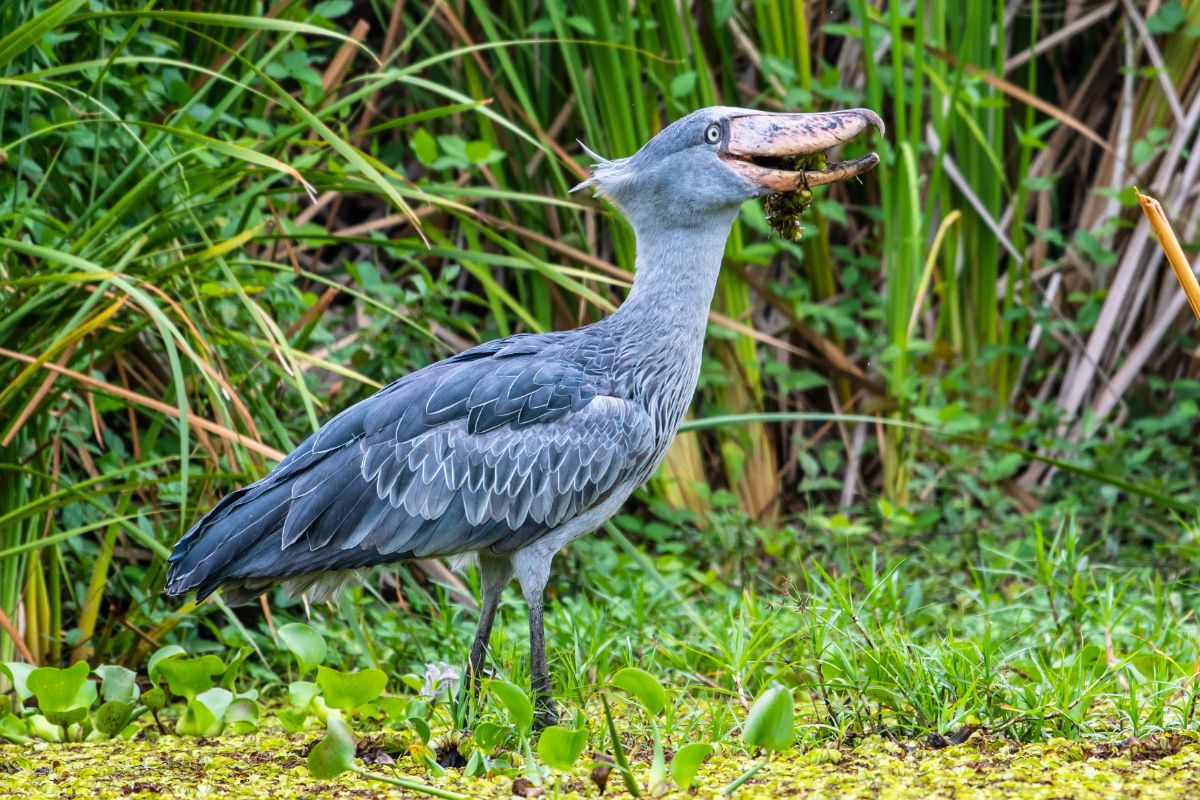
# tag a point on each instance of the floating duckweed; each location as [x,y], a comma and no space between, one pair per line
[271,764]
[784,208]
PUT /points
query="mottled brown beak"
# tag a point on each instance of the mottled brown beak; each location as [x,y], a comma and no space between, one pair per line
[761,147]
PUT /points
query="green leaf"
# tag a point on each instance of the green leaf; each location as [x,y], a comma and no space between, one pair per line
[205,714]
[242,716]
[154,699]
[424,146]
[489,735]
[301,694]
[334,754]
[513,699]
[304,643]
[62,689]
[18,674]
[769,723]
[683,84]
[234,668]
[14,729]
[349,690]
[112,717]
[42,728]
[189,677]
[1167,19]
[161,655]
[687,761]
[422,728]
[478,151]
[642,685]
[559,748]
[31,32]
[117,683]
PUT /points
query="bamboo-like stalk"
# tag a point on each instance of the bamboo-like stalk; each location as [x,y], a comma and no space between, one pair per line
[1171,248]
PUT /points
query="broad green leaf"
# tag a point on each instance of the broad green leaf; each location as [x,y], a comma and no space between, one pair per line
[425,146]
[489,735]
[234,668]
[349,690]
[683,83]
[112,717]
[154,699]
[334,754]
[15,730]
[559,748]
[769,723]
[642,685]
[513,699]
[44,729]
[17,673]
[422,728]
[161,655]
[205,714]
[189,677]
[301,694]
[293,721]
[62,689]
[304,643]
[117,683]
[687,761]
[242,716]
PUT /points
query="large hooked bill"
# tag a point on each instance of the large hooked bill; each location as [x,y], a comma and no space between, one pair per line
[776,150]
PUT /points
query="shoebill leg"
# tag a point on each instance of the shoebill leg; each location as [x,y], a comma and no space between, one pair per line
[533,569]
[494,575]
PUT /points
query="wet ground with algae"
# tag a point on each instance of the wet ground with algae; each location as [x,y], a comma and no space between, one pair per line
[270,765]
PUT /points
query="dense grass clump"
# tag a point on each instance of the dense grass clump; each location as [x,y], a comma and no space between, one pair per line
[940,482]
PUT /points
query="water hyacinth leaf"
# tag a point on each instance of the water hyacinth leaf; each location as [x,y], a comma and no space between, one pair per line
[559,748]
[334,754]
[642,685]
[303,642]
[293,721]
[769,723]
[242,716]
[301,694]
[513,699]
[191,676]
[112,717]
[347,691]
[394,710]
[205,714]
[687,761]
[489,735]
[62,689]
[67,717]
[160,655]
[44,729]
[6,705]
[14,729]
[234,668]
[17,673]
[117,684]
[154,699]
[422,729]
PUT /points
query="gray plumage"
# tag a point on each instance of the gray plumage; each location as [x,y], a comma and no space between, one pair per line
[510,449]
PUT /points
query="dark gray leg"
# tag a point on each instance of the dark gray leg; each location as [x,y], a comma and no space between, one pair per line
[532,572]
[494,575]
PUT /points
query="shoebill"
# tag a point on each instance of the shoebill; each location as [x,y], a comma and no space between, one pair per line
[508,451]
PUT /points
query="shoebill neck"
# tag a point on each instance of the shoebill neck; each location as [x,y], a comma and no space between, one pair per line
[675,276]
